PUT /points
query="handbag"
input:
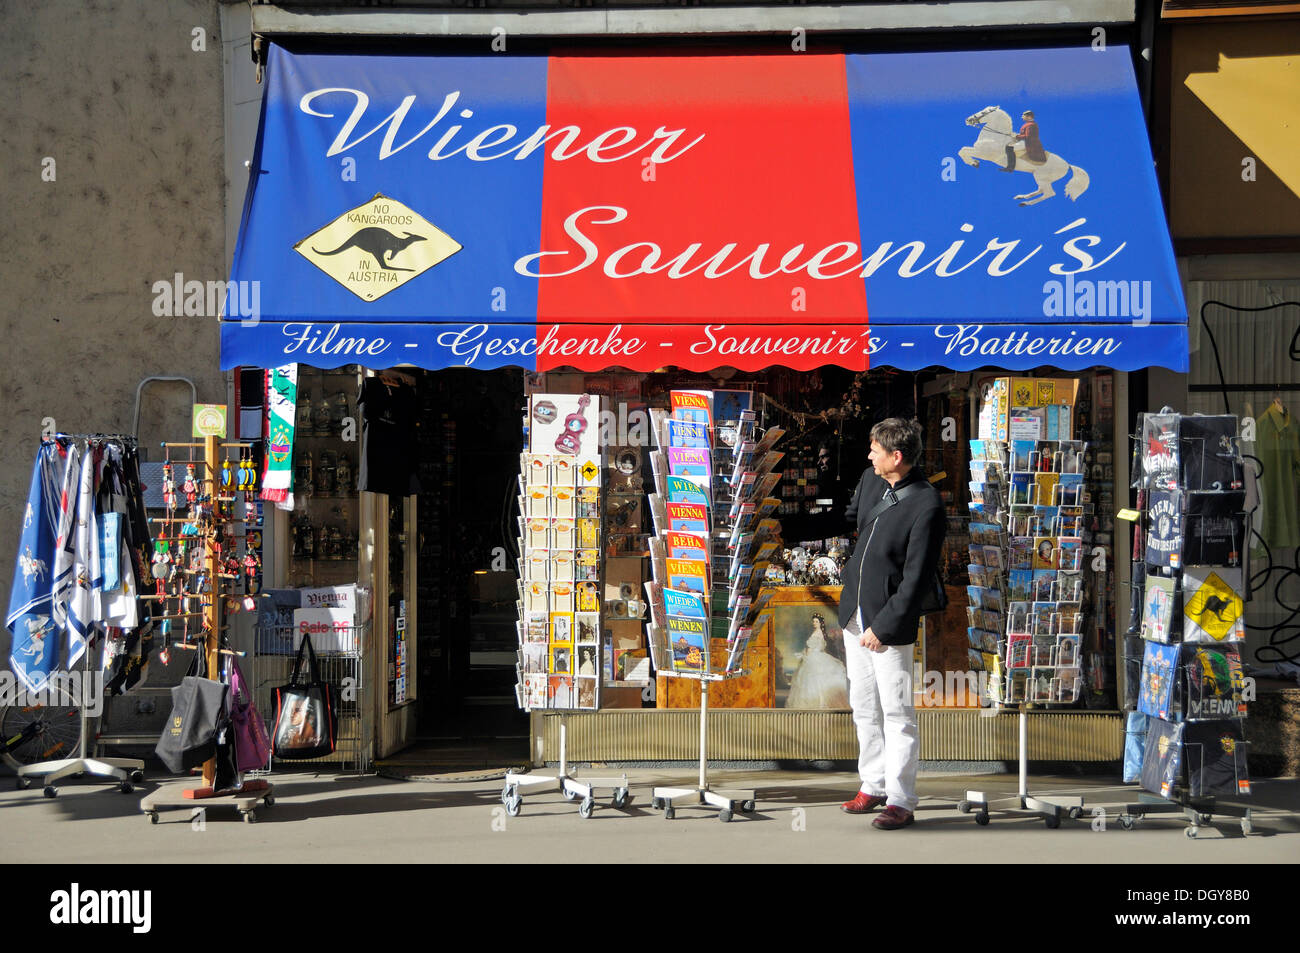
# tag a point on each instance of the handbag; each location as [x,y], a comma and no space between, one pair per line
[306,718]
[189,738]
[252,743]
[934,596]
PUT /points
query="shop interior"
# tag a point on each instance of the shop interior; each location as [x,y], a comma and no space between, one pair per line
[457,541]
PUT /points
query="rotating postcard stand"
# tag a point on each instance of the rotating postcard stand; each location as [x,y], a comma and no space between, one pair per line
[1027,589]
[710,551]
[559,627]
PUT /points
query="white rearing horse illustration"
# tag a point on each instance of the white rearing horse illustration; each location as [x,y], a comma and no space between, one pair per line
[996,133]
[32,566]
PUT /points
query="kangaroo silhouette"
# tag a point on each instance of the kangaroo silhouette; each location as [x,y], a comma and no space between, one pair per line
[379,242]
[1217,606]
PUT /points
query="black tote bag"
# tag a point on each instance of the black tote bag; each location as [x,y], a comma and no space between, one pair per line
[306,719]
[189,738]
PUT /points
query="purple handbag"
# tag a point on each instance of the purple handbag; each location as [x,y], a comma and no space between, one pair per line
[252,744]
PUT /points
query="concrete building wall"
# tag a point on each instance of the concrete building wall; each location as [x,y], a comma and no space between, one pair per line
[130,112]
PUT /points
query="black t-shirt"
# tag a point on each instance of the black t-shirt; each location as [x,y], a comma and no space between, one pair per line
[389,451]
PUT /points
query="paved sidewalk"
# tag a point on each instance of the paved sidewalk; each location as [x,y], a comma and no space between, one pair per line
[327,819]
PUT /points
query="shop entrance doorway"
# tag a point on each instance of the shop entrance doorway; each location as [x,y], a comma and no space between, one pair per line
[470,440]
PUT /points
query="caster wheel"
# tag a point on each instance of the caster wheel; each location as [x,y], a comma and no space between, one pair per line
[586,807]
[620,798]
[153,817]
[137,776]
[50,791]
[670,812]
[1052,822]
[514,805]
[505,793]
[1246,826]
[657,803]
[570,795]
[747,807]
[23,783]
[1126,821]
[1076,813]
[1192,832]
[963,807]
[250,817]
[126,787]
[982,819]
[724,815]
[1204,820]
[268,801]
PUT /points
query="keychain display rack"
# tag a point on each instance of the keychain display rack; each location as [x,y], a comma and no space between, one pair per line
[1186,740]
[1029,512]
[559,667]
[714,536]
[194,563]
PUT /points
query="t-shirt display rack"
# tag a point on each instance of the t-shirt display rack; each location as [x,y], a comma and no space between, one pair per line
[560,561]
[713,529]
[1186,742]
[1027,592]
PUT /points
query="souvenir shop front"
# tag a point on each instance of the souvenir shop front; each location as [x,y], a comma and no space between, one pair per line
[512,306]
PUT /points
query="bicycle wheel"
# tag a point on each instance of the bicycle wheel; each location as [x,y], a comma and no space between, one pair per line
[58,730]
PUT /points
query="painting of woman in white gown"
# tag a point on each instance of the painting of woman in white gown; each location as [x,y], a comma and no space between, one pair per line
[820,679]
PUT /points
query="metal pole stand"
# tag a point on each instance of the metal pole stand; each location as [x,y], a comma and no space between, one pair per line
[727,803]
[125,771]
[572,788]
[1051,811]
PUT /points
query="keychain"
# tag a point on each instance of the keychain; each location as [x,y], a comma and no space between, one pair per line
[168,487]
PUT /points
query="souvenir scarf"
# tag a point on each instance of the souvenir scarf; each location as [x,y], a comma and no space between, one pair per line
[281,407]
[32,649]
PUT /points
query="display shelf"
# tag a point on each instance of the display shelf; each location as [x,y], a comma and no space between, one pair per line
[714,534]
[1189,545]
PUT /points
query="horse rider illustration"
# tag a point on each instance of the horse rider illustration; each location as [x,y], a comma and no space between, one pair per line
[1028,134]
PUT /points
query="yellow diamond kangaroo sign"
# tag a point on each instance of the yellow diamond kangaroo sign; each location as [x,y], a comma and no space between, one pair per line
[376,247]
[1214,608]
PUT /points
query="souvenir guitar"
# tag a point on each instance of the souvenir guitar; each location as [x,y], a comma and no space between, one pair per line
[570,439]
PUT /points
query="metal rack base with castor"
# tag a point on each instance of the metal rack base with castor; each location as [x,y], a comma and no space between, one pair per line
[1199,812]
[728,803]
[573,789]
[1052,811]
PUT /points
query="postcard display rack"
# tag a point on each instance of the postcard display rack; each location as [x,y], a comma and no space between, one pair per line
[1029,505]
[713,535]
[560,546]
[1189,581]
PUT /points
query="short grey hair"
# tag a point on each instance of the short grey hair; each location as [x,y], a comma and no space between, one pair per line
[895,433]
